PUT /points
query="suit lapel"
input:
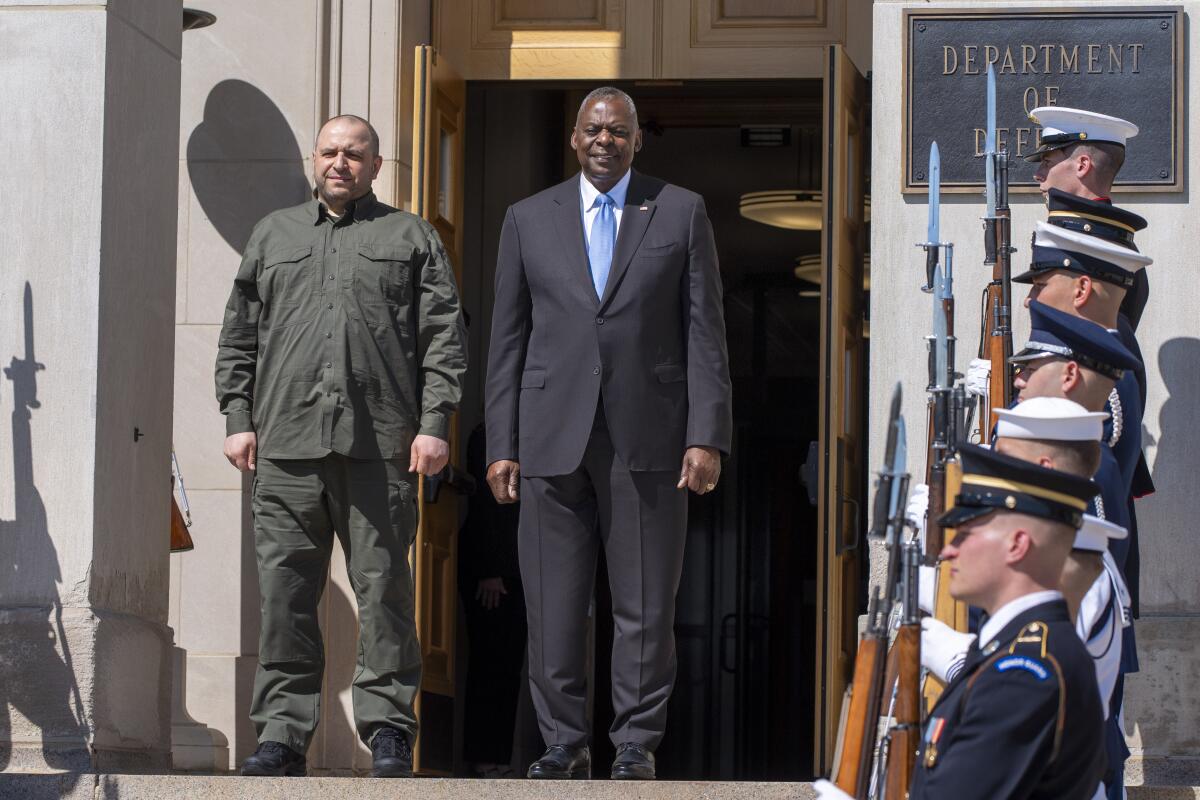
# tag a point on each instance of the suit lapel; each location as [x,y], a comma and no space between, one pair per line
[568,220]
[635,219]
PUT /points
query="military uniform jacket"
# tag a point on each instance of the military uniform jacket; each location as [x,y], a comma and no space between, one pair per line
[1021,720]
[341,336]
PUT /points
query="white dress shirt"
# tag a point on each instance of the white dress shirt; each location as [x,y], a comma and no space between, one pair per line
[587,199]
[1010,610]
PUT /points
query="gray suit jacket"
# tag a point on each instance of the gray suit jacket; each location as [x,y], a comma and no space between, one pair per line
[653,346]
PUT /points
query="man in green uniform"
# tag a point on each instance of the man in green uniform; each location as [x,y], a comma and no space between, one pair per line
[338,369]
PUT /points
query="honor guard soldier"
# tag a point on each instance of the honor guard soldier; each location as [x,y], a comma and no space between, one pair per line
[1067,356]
[1022,718]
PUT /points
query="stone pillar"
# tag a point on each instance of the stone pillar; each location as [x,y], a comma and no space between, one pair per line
[91,96]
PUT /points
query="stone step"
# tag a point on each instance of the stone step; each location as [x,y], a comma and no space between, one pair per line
[15,786]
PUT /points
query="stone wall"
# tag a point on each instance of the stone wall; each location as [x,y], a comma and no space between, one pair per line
[91,94]
[256,87]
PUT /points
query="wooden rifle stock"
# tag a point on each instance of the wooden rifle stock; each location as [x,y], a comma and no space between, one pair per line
[906,730]
[852,772]
[181,540]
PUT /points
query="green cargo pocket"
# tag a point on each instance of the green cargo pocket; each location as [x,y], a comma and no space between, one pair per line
[289,618]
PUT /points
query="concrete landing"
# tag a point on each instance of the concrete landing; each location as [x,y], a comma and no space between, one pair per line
[201,787]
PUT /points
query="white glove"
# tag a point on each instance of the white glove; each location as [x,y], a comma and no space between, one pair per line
[978,372]
[827,791]
[926,587]
[943,649]
[918,508]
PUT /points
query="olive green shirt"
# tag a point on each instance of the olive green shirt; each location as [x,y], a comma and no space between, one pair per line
[342,336]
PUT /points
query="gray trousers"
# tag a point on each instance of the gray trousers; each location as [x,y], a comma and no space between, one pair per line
[299,505]
[640,519]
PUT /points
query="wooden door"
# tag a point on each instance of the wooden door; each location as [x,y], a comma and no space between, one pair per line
[437,195]
[842,516]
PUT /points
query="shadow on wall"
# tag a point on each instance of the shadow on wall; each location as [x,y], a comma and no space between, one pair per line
[243,161]
[37,678]
[1179,437]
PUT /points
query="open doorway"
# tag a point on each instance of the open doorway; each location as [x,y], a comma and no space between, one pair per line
[746,625]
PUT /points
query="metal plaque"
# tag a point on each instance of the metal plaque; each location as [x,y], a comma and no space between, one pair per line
[1127,63]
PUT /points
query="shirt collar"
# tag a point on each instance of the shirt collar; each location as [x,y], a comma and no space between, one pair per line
[358,209]
[1011,610]
[588,193]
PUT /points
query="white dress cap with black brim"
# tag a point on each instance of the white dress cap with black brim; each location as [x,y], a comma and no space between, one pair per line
[1094,533]
[1050,418]
[1055,248]
[1063,127]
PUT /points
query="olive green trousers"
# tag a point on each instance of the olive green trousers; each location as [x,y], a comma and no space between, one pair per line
[299,506]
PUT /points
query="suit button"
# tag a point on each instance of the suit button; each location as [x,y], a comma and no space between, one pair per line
[599,320]
[595,370]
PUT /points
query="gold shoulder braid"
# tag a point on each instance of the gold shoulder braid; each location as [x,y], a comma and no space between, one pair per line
[1034,633]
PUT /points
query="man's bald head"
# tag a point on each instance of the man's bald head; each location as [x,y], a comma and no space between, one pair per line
[345,161]
[354,119]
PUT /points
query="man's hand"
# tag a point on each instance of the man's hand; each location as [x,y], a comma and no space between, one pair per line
[488,592]
[827,791]
[504,479]
[428,455]
[943,649]
[978,376]
[242,450]
[701,469]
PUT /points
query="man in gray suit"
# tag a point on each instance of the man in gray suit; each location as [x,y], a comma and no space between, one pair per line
[608,370]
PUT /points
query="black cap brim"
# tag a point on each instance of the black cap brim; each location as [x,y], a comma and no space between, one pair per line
[1030,354]
[1025,277]
[961,515]
[1040,153]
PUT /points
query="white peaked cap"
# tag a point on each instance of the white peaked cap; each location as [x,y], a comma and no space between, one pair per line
[1053,418]
[1086,126]
[1047,235]
[1095,532]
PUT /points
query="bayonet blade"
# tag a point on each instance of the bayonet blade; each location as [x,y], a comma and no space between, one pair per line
[933,231]
[933,235]
[989,146]
[899,462]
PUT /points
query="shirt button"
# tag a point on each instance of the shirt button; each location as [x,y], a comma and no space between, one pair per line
[329,336]
[328,365]
[599,320]
[595,370]
[333,249]
[330,277]
[331,306]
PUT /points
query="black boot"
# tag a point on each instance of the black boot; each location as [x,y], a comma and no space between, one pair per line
[634,762]
[392,754]
[275,759]
[561,762]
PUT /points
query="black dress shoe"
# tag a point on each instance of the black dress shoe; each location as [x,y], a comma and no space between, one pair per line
[275,759]
[391,753]
[634,762]
[562,763]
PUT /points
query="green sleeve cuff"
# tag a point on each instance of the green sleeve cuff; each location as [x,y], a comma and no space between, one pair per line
[433,424]
[238,422]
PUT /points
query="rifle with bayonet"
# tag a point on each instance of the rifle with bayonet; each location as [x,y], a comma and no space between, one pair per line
[946,405]
[855,758]
[995,336]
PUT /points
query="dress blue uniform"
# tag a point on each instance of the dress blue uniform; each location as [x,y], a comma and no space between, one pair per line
[1023,718]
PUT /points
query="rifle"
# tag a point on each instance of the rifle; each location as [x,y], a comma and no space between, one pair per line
[946,407]
[995,335]
[942,424]
[855,755]
[181,540]
[904,735]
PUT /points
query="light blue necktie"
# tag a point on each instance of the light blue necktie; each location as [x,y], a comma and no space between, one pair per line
[600,245]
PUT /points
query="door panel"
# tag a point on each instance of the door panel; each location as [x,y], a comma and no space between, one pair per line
[437,195]
[842,439]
